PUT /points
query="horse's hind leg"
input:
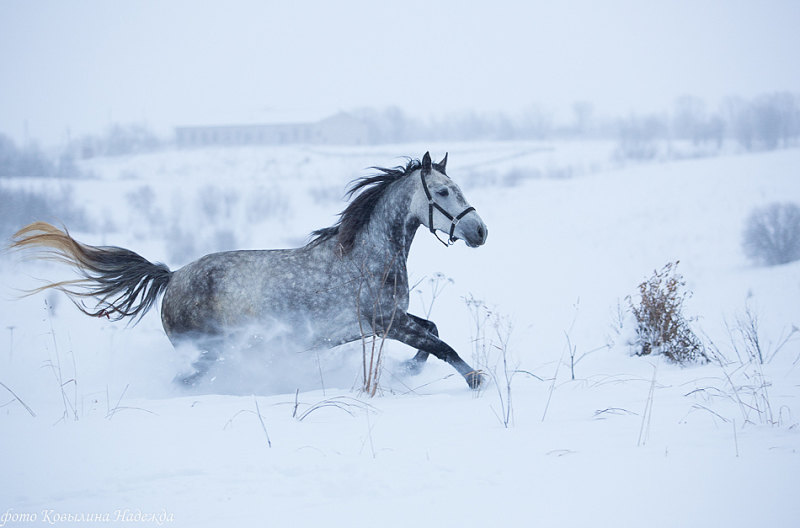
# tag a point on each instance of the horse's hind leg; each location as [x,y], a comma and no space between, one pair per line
[209,354]
[415,364]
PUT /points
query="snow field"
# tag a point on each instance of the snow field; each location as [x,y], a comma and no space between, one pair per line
[630,440]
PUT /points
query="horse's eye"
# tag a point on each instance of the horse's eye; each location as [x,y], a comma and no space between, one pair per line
[444,193]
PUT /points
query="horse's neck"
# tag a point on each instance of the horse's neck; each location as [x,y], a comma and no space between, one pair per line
[392,227]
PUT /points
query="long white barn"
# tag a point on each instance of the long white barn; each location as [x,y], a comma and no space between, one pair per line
[338,129]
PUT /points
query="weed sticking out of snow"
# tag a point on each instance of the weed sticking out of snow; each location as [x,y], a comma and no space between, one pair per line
[662,327]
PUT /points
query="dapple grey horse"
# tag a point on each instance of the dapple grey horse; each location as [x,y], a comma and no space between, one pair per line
[348,281]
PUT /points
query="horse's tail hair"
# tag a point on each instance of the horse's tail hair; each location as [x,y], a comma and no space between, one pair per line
[120,282]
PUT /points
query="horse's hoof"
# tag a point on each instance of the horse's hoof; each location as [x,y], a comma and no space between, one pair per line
[189,380]
[412,367]
[475,379]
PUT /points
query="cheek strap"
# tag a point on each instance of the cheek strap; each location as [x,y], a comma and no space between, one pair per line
[453,219]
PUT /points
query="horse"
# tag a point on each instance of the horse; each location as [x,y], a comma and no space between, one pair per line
[349,281]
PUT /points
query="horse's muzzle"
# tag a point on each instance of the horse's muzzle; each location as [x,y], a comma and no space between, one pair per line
[474,233]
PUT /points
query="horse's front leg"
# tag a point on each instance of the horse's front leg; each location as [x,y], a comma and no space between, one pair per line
[412,331]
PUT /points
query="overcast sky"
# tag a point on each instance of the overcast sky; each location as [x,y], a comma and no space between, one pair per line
[81,65]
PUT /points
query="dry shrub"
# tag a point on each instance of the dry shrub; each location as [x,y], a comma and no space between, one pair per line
[661,326]
[772,234]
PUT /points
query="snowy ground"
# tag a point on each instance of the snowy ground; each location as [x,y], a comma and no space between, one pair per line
[629,441]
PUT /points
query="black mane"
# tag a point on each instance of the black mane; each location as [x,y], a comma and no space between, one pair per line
[358,212]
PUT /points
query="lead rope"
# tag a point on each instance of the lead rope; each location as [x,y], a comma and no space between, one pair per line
[453,220]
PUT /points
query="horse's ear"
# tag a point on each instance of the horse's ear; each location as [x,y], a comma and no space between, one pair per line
[442,165]
[426,163]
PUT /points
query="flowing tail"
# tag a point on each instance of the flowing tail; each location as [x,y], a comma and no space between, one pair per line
[121,282]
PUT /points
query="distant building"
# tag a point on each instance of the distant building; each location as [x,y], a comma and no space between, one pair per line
[338,129]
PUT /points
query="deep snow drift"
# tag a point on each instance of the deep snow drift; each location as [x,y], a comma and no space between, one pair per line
[288,439]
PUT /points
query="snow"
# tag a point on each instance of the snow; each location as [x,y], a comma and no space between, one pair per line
[629,441]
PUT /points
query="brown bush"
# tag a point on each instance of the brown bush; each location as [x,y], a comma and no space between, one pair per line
[661,326]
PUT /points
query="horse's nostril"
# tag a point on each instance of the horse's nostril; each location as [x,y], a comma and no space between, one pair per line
[481,233]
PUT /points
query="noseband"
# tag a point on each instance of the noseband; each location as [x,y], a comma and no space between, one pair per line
[453,219]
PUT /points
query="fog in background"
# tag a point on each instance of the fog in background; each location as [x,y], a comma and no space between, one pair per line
[74,68]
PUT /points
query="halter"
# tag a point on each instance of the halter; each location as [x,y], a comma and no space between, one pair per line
[453,219]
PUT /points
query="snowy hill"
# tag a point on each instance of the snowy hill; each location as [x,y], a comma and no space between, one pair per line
[289,439]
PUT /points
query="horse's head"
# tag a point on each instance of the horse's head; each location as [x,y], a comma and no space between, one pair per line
[440,205]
